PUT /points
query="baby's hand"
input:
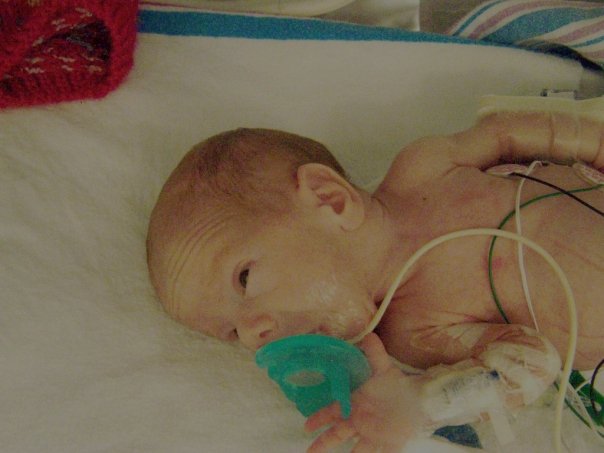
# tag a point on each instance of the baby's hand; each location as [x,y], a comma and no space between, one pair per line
[386,410]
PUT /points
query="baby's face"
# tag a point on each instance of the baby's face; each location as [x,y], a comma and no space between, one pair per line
[258,282]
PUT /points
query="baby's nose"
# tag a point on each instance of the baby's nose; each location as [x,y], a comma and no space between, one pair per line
[257,331]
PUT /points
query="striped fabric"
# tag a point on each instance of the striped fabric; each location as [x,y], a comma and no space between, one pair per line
[543,25]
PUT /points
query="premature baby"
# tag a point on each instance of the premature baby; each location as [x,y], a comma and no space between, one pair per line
[258,235]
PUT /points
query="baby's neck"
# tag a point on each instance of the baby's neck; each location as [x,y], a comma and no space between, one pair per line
[384,243]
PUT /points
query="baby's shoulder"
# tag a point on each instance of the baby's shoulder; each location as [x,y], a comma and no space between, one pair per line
[419,162]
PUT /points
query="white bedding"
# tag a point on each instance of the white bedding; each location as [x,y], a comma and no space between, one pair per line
[88,360]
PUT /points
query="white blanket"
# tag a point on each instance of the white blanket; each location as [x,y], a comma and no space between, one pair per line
[89,362]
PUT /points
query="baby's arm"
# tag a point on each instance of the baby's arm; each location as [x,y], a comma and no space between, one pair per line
[509,130]
[499,368]
[532,128]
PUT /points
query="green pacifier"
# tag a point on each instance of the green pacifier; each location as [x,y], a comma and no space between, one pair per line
[315,370]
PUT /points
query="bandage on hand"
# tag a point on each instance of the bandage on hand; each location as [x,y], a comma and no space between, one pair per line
[556,129]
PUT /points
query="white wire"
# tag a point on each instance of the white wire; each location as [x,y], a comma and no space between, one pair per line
[572,311]
[572,392]
[523,277]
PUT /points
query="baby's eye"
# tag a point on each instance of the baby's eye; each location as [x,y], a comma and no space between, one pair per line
[243,275]
[244,280]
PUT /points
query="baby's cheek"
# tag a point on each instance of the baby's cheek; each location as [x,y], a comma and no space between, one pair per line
[339,308]
[322,293]
[350,319]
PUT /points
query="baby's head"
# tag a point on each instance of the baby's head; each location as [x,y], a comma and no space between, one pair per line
[252,237]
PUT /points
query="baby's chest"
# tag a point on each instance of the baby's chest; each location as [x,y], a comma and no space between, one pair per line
[453,286]
[441,294]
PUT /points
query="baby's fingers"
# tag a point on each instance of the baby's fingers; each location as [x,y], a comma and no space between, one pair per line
[325,417]
[364,446]
[333,437]
[378,358]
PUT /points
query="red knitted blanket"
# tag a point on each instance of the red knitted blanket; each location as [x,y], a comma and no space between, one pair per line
[64,50]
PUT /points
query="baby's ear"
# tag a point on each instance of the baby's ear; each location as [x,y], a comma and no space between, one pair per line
[335,199]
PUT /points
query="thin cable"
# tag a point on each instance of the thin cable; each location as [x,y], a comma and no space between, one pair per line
[572,311]
[559,189]
[592,397]
[523,275]
[502,224]
[586,420]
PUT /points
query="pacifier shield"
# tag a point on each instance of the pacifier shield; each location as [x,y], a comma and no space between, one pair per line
[315,370]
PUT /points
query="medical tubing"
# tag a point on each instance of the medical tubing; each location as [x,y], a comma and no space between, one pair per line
[505,220]
[521,265]
[559,189]
[585,418]
[572,311]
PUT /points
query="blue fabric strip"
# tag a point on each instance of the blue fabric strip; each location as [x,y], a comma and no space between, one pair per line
[260,27]
[477,13]
[541,22]
[589,43]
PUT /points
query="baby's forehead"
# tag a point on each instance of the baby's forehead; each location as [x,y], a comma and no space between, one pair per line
[191,265]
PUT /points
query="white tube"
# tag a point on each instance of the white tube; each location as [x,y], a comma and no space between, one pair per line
[572,311]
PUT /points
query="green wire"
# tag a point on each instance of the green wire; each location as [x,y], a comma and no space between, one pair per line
[492,280]
[502,224]
[579,416]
